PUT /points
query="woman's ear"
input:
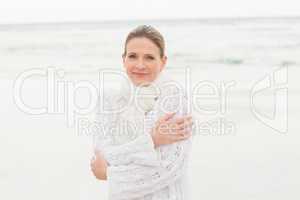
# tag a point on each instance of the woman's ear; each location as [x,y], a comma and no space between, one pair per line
[123,57]
[164,62]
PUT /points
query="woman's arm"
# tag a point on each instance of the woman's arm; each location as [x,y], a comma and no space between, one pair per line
[133,151]
[160,136]
[135,181]
[142,150]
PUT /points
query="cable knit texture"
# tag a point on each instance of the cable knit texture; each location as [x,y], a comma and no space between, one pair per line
[138,171]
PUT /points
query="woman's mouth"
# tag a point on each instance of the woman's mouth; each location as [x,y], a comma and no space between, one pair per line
[139,73]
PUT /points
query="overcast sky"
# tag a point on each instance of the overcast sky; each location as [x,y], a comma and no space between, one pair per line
[28,11]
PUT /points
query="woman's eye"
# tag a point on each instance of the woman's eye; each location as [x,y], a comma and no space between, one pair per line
[150,57]
[132,56]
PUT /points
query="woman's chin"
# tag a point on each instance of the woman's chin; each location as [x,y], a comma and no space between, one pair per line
[141,82]
[138,81]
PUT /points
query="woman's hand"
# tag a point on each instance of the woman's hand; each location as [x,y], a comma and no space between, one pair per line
[168,130]
[99,166]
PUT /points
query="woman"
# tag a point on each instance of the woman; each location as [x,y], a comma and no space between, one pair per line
[150,160]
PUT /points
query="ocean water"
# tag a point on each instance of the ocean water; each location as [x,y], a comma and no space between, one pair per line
[195,43]
[43,156]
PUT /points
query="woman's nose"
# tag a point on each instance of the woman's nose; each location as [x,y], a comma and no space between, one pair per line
[140,64]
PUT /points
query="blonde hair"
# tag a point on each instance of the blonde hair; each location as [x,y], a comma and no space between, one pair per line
[150,33]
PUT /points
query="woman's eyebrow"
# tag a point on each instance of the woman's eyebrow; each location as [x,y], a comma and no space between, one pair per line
[131,52]
[148,54]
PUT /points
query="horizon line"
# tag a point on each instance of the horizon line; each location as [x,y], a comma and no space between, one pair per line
[153,20]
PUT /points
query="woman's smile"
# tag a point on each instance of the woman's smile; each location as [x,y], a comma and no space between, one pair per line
[142,60]
[140,73]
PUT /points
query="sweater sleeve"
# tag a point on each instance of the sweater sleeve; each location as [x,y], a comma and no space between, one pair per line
[137,151]
[135,181]
[132,180]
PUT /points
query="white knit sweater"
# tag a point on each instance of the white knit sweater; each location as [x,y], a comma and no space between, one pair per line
[137,170]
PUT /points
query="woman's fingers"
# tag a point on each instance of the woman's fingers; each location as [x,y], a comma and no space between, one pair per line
[186,124]
[184,134]
[181,136]
[169,127]
[178,135]
[170,131]
[181,120]
[167,117]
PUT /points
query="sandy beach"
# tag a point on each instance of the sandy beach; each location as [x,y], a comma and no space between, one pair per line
[43,156]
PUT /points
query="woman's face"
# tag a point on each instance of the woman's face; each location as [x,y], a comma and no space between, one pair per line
[142,61]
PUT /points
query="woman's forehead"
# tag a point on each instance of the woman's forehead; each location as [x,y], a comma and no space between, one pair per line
[142,45]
